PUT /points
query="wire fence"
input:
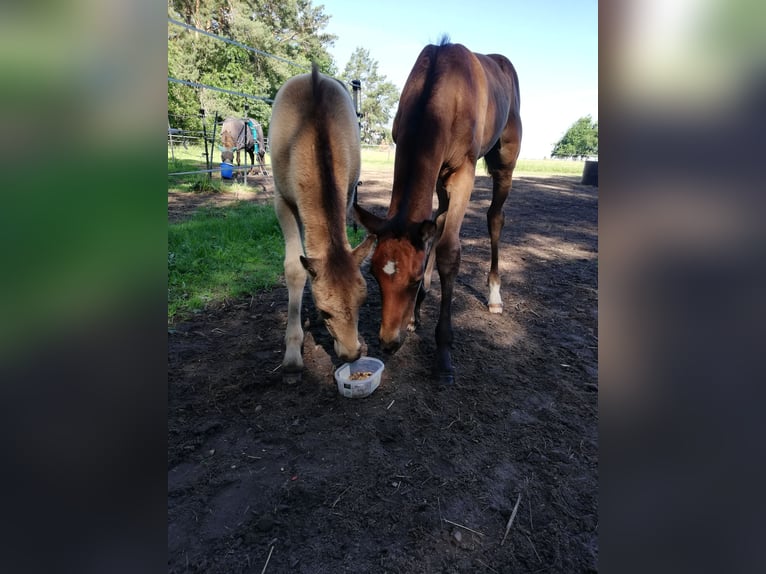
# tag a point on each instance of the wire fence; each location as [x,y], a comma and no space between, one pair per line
[187,139]
[214,170]
[216,89]
[193,138]
[235,43]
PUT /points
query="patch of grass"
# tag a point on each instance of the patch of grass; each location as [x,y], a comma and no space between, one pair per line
[383,157]
[541,167]
[378,157]
[202,183]
[355,237]
[221,253]
[182,182]
[194,152]
[549,167]
[193,159]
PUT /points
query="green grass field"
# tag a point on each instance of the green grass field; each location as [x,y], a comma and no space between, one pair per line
[377,158]
[383,157]
[221,253]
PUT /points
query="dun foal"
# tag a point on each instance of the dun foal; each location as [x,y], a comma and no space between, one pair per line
[315,156]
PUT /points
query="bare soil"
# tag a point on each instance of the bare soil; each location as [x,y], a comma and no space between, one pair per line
[266,477]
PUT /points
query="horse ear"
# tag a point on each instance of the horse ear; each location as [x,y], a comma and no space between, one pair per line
[369,221]
[362,250]
[310,266]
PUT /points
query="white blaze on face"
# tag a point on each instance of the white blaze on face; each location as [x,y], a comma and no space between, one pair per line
[390,268]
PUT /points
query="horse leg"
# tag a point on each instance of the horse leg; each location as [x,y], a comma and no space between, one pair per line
[262,162]
[295,277]
[501,186]
[501,169]
[459,187]
[425,284]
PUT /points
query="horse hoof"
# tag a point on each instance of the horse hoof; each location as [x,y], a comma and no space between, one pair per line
[496,308]
[292,378]
[446,379]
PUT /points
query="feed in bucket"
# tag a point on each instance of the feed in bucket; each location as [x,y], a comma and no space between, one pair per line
[360,378]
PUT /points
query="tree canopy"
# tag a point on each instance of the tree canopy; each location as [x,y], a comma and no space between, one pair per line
[291,30]
[379,96]
[580,140]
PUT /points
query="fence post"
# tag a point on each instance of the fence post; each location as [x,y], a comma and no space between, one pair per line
[204,136]
[172,151]
[356,87]
[247,130]
[212,142]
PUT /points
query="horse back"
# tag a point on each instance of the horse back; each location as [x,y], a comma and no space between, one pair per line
[456,97]
[314,144]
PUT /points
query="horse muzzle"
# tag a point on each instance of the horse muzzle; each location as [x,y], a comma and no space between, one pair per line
[345,354]
[391,343]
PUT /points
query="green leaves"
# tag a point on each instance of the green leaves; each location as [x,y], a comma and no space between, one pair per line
[378,96]
[580,140]
[292,30]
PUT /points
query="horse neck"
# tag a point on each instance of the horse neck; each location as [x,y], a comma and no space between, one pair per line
[324,237]
[415,177]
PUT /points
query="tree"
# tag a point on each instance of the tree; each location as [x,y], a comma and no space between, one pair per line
[289,29]
[379,96]
[580,140]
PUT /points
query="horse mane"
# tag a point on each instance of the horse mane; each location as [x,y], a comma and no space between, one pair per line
[323,109]
[417,119]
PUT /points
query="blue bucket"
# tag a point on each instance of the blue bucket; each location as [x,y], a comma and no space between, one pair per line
[226,170]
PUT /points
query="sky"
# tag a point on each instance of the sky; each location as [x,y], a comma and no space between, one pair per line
[552,44]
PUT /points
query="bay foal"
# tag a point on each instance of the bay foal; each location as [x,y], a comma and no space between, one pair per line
[456,107]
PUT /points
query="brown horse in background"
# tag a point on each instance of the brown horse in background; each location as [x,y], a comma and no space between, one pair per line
[315,154]
[456,107]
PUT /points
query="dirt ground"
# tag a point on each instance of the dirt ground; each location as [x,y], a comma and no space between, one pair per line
[265,477]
